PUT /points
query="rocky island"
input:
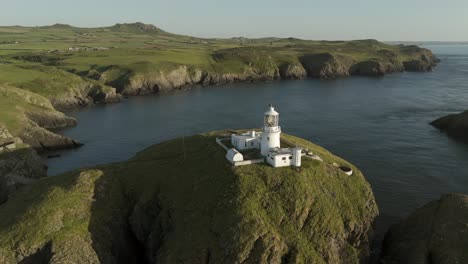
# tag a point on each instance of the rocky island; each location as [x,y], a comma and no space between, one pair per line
[182,201]
[455,125]
[435,233]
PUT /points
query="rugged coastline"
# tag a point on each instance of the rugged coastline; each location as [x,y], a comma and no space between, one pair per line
[74,73]
[37,83]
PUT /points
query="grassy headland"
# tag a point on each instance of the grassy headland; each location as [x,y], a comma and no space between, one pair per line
[182,201]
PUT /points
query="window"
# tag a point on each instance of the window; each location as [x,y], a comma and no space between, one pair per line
[290,157]
[268,138]
[271,157]
[284,158]
[246,144]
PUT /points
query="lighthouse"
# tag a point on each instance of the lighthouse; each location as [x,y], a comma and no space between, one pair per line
[267,142]
[271,131]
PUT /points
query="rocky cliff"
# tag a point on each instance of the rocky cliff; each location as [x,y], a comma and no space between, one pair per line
[19,164]
[322,65]
[33,117]
[27,120]
[455,125]
[436,233]
[182,201]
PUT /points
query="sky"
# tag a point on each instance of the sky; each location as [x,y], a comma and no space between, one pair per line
[395,20]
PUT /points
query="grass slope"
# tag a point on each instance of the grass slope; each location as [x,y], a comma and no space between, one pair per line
[181,201]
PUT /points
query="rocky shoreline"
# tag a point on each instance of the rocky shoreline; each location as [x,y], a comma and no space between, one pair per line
[38,129]
[323,66]
[38,133]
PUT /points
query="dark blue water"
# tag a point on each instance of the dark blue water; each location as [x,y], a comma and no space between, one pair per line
[379,124]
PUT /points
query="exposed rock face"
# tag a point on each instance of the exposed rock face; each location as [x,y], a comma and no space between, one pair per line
[436,233]
[427,62]
[51,120]
[86,93]
[19,167]
[151,80]
[37,119]
[327,65]
[105,96]
[189,205]
[42,139]
[455,125]
[292,71]
[376,68]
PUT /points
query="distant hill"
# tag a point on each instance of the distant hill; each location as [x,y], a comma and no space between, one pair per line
[59,26]
[137,27]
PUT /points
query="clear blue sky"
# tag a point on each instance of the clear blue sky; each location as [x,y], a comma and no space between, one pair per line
[333,19]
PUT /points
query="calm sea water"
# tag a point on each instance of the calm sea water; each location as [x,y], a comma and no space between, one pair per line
[379,124]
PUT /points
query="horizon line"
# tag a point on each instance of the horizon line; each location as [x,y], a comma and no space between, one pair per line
[231,37]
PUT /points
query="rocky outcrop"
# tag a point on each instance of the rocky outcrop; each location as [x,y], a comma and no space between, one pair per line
[292,71]
[43,140]
[327,65]
[105,95]
[51,120]
[426,61]
[19,165]
[435,233]
[197,208]
[153,82]
[376,68]
[35,117]
[455,125]
[86,93]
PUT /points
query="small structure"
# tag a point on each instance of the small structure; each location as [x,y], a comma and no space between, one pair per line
[284,157]
[249,140]
[266,142]
[234,156]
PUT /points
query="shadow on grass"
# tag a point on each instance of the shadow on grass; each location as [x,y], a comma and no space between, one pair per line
[42,256]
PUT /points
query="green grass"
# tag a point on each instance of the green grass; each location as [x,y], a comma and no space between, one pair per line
[14,103]
[185,191]
[44,80]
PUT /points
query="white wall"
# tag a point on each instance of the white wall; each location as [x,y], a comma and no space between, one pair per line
[280,160]
[270,140]
[242,142]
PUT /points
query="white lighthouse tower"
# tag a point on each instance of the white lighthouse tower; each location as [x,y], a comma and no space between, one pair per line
[271,131]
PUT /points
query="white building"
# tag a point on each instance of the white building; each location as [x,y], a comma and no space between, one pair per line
[234,155]
[249,140]
[284,157]
[267,142]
